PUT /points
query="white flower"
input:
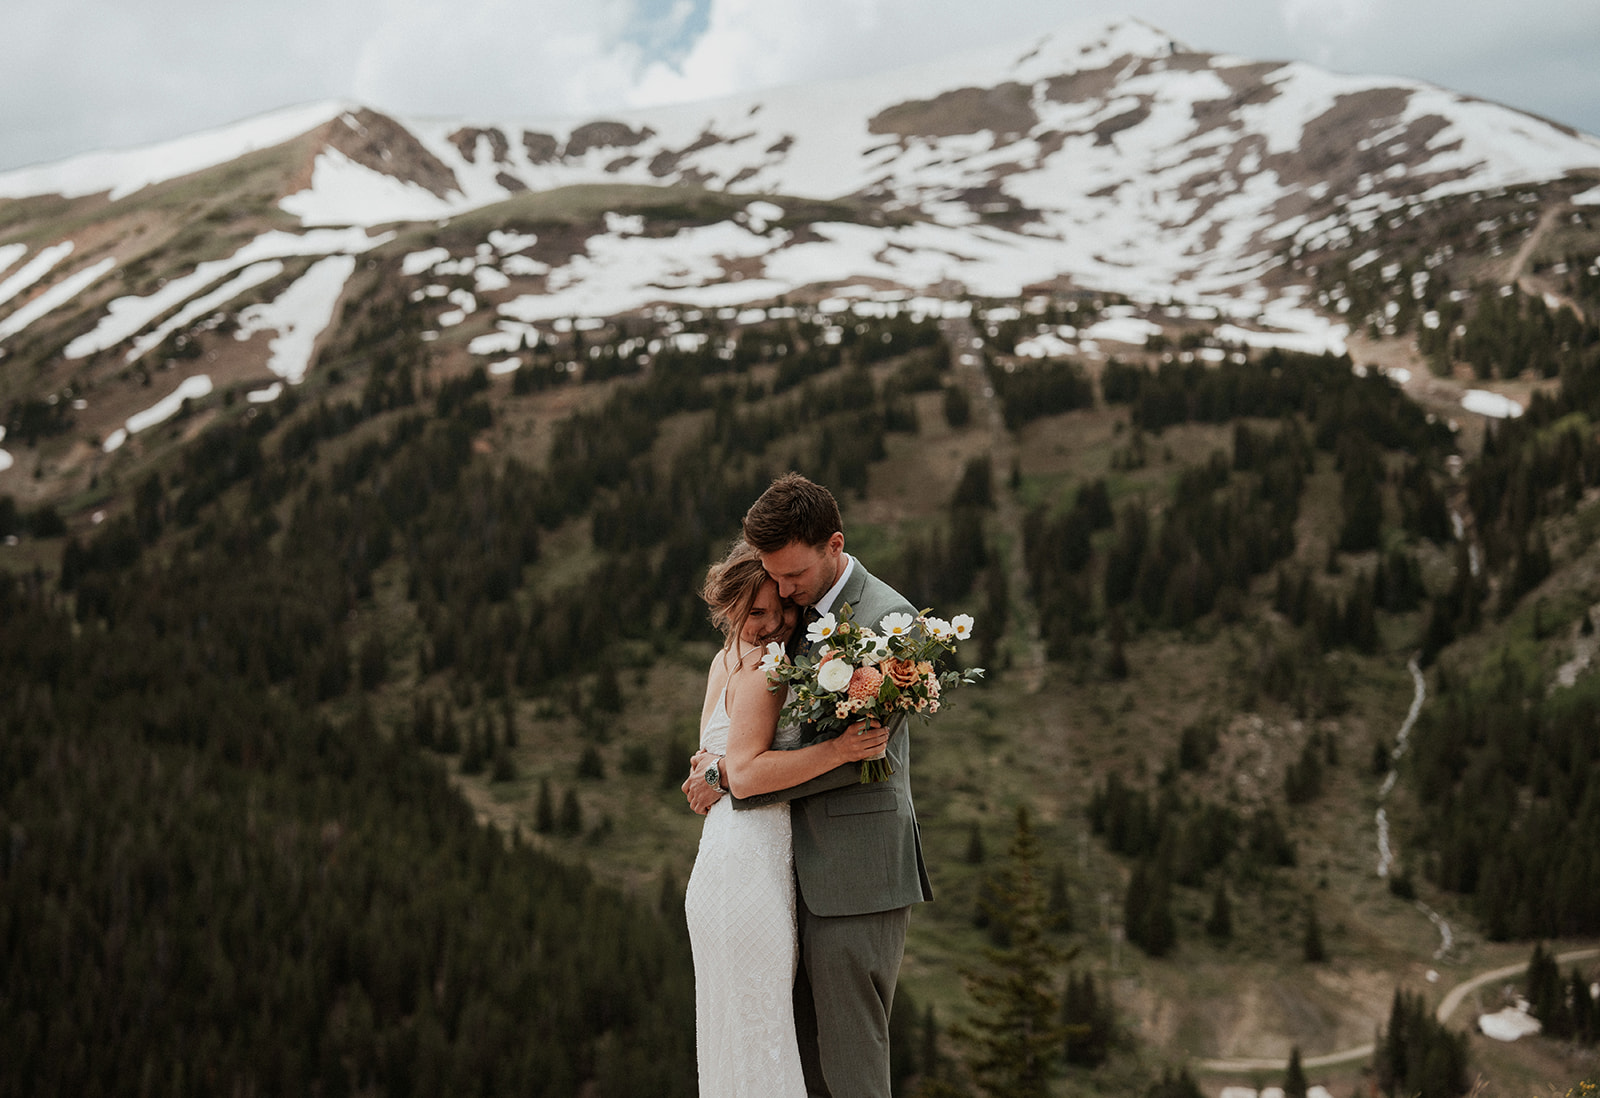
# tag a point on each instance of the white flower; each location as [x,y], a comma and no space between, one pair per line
[823,628]
[939,628]
[773,656]
[962,624]
[834,676]
[875,651]
[897,625]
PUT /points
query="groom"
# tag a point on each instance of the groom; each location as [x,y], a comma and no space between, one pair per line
[857,849]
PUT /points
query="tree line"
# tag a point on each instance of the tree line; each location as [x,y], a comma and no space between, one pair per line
[219,872]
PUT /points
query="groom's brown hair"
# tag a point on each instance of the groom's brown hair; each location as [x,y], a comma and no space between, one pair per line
[792,509]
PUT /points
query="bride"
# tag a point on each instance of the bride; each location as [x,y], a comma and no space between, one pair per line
[740,900]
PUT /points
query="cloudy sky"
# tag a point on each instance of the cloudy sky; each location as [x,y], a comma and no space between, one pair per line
[80,75]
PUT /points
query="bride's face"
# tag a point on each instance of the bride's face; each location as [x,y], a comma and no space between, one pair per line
[770,618]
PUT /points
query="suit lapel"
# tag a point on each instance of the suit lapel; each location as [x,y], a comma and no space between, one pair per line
[854,587]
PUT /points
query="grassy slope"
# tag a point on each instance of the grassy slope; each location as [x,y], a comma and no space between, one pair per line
[1046,743]
[1045,740]
[1043,736]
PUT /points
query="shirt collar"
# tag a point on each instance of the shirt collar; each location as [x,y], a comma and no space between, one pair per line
[825,603]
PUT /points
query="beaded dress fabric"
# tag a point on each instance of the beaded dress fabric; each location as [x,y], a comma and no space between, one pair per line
[741,911]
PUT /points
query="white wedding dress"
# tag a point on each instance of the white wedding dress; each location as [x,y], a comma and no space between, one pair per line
[741,910]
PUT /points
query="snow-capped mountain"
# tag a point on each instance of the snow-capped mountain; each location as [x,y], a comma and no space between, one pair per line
[1104,158]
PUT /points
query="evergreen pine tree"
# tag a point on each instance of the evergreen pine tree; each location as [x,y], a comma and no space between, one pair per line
[1014,1038]
[984,907]
[508,716]
[1546,992]
[607,690]
[422,720]
[476,753]
[1583,1008]
[1087,1020]
[544,813]
[975,850]
[1294,1079]
[570,822]
[449,738]
[503,768]
[1147,910]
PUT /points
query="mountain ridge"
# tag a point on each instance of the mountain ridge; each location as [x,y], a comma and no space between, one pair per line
[1100,158]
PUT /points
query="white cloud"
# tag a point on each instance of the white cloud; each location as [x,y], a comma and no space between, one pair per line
[1315,19]
[164,68]
[499,58]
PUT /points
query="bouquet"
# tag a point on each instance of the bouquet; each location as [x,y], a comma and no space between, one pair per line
[860,673]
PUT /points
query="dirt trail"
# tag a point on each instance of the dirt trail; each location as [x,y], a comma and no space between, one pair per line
[1447,1007]
[1519,262]
[1517,267]
[1453,1000]
[966,354]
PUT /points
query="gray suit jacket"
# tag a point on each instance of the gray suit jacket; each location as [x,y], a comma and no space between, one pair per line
[857,848]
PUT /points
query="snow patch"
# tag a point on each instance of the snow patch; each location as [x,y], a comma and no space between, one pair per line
[1316,337]
[299,316]
[522,266]
[1493,405]
[1124,329]
[127,316]
[343,192]
[1046,345]
[507,242]
[253,275]
[417,262]
[55,297]
[1509,1024]
[33,270]
[486,280]
[9,254]
[190,388]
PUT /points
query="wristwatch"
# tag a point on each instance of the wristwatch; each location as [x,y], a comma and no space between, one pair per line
[714,775]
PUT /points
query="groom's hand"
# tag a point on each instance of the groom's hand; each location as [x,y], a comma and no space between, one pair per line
[701,795]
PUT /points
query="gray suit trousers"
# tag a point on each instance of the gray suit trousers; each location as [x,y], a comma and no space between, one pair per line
[842,996]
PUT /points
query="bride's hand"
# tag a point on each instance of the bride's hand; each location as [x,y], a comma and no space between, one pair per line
[862,740]
[701,795]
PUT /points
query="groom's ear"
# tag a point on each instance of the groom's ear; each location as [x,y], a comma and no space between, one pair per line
[836,542]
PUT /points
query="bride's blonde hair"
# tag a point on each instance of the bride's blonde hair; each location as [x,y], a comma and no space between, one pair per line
[730,589]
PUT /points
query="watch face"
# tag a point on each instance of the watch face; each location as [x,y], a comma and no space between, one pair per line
[713,777]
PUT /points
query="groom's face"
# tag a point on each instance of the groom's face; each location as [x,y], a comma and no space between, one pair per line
[805,572]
